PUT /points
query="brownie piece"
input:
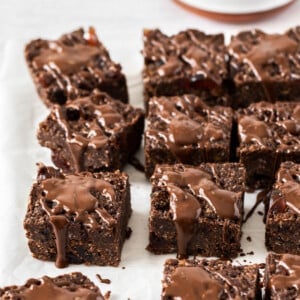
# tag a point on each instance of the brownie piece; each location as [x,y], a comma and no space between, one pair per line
[210,279]
[265,67]
[190,62]
[94,133]
[68,286]
[268,135]
[72,67]
[282,277]
[78,218]
[184,129]
[283,215]
[197,210]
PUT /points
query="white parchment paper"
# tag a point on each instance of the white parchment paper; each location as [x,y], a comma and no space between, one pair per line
[139,274]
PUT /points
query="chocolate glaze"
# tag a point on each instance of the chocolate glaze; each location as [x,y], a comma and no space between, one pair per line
[261,51]
[65,59]
[47,290]
[192,283]
[189,190]
[291,263]
[201,131]
[72,198]
[273,125]
[98,122]
[251,129]
[287,189]
[186,210]
[188,52]
[268,49]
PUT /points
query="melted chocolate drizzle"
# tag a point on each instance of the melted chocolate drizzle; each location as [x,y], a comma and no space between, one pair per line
[192,283]
[97,125]
[189,189]
[291,263]
[71,198]
[178,124]
[288,185]
[251,129]
[47,290]
[190,51]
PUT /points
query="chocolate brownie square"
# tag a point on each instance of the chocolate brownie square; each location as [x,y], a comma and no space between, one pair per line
[190,62]
[265,67]
[210,279]
[282,277]
[78,218]
[197,210]
[94,133]
[268,135]
[184,129]
[67,286]
[74,66]
[283,215]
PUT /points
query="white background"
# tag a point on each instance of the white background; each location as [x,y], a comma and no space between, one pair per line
[119,24]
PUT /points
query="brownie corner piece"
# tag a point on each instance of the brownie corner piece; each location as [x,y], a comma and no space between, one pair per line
[183,129]
[94,133]
[190,62]
[268,134]
[210,279]
[197,210]
[264,67]
[283,216]
[68,286]
[282,275]
[73,66]
[78,218]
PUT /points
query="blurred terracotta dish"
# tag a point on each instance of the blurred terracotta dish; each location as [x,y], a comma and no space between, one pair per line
[234,10]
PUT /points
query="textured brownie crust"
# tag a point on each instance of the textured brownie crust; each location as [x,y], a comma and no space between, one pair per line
[73,284]
[268,135]
[282,277]
[265,67]
[93,235]
[283,217]
[184,129]
[72,67]
[210,279]
[188,62]
[95,133]
[197,210]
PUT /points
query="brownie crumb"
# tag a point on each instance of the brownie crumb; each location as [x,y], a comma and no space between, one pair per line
[128,232]
[123,268]
[103,280]
[242,254]
[250,253]
[249,239]
[260,213]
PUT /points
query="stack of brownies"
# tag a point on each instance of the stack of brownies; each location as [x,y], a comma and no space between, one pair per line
[219,119]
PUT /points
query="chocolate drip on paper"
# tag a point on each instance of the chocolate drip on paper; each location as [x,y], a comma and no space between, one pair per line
[71,197]
[192,283]
[47,290]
